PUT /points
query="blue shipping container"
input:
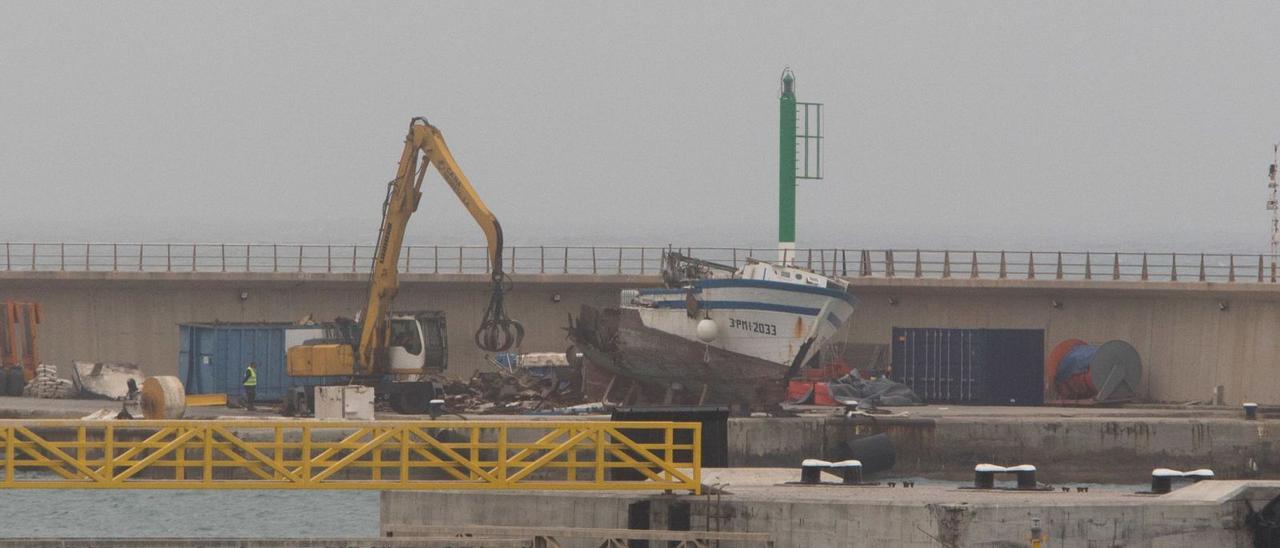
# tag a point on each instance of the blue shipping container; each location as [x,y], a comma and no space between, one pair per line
[975,366]
[212,358]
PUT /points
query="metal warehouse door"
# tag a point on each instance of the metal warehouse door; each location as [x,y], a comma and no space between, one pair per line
[978,366]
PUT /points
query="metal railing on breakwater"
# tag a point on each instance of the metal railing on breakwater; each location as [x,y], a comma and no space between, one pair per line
[635,260]
[296,454]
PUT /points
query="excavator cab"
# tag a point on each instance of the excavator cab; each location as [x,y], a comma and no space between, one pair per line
[417,349]
[418,344]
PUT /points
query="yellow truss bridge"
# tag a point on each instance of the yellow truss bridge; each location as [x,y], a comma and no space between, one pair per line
[382,455]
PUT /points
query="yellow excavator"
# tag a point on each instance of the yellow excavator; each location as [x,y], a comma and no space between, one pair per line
[397,351]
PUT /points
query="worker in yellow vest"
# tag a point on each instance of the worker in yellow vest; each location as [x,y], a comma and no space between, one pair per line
[250,385]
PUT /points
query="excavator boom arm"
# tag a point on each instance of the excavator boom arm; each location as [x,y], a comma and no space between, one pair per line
[437,153]
[425,145]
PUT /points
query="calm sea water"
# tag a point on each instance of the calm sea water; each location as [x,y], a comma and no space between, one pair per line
[188,513]
[228,514]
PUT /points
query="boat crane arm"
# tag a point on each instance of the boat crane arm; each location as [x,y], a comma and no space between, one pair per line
[425,145]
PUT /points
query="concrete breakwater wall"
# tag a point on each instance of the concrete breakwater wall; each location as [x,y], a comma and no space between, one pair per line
[134,317]
[1192,336]
[1066,449]
[1206,514]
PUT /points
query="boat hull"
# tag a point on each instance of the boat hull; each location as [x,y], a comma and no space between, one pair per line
[667,368]
[723,341]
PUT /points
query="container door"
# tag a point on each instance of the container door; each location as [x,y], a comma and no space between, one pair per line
[1015,361]
[940,365]
[187,372]
[195,360]
[226,360]
[240,345]
[978,366]
[202,344]
[268,351]
[233,353]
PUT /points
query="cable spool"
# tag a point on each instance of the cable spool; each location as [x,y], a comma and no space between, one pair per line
[163,398]
[1107,372]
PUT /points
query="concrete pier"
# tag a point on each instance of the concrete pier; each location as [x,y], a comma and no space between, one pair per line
[1210,513]
[1095,445]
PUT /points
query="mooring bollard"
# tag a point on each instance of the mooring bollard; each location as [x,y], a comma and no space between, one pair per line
[811,470]
[1250,411]
[1026,475]
[435,408]
[1200,475]
[984,475]
[850,471]
[1162,480]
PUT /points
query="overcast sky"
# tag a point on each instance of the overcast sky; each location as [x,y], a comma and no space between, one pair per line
[1043,125]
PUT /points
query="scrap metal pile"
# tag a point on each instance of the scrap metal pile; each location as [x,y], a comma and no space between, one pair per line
[524,383]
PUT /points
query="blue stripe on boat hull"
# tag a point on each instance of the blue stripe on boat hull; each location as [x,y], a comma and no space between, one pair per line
[666,291]
[762,284]
[743,305]
[781,286]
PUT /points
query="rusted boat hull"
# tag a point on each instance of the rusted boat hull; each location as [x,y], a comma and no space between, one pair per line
[658,367]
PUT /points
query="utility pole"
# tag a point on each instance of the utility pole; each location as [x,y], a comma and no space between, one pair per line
[799,157]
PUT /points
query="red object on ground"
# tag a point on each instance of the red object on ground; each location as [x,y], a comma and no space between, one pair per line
[798,389]
[829,371]
[818,380]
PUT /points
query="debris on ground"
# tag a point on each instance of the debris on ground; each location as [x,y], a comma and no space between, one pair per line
[878,390]
[873,389]
[102,415]
[583,409]
[46,384]
[105,380]
[521,384]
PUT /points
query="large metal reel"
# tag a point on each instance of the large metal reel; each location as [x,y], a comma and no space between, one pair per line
[1116,370]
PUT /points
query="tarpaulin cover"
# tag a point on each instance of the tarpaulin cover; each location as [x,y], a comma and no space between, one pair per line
[881,390]
[853,387]
[1075,362]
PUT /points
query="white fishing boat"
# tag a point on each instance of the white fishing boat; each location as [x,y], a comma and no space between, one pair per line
[714,334]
